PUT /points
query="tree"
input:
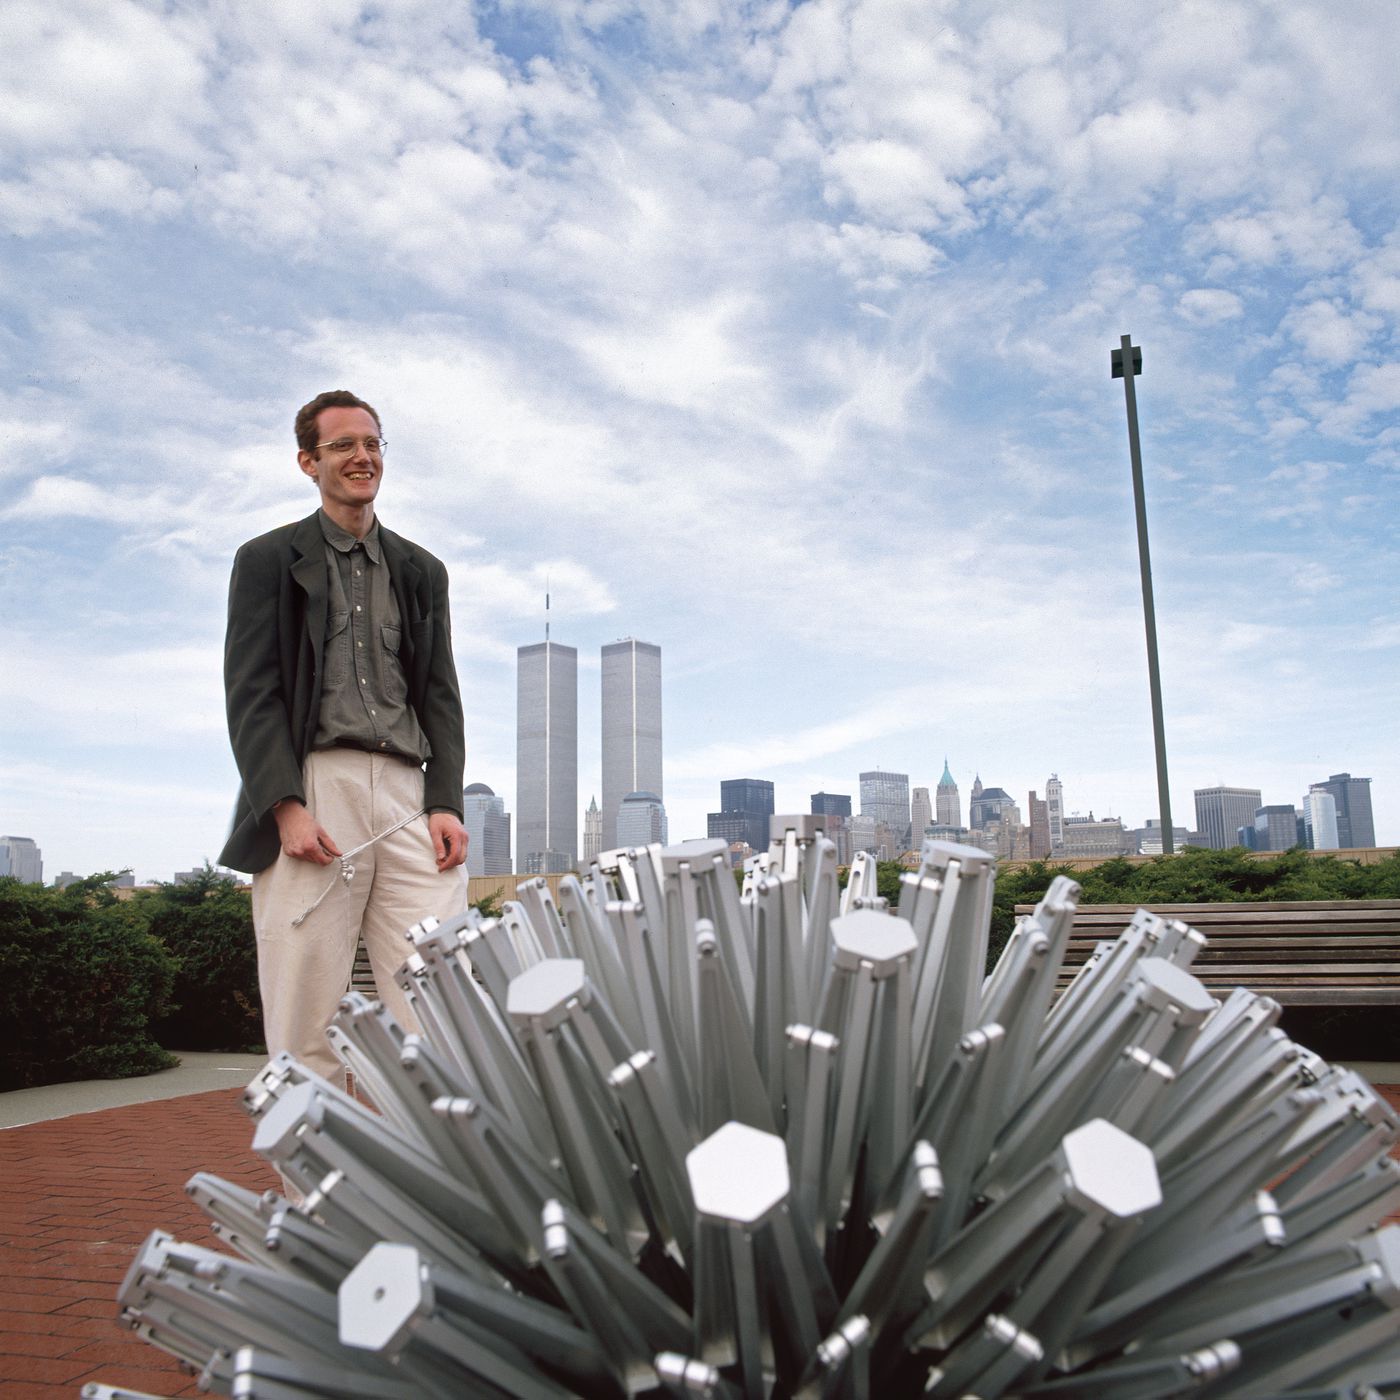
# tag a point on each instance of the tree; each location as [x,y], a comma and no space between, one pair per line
[81,980]
[207,925]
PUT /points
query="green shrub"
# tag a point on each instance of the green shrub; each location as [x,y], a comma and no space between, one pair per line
[81,979]
[207,926]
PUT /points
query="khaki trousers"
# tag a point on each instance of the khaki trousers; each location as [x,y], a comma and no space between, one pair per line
[304,970]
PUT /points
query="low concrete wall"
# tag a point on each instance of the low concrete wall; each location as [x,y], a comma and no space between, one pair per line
[1362,855]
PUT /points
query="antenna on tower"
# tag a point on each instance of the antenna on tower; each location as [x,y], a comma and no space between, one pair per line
[546,607]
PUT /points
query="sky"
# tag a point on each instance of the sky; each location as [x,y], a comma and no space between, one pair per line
[775,334]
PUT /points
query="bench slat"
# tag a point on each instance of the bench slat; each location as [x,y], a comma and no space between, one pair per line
[1312,952]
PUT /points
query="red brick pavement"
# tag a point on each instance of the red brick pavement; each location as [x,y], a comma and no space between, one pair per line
[77,1196]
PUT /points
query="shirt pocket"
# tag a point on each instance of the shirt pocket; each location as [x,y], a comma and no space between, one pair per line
[395,681]
[337,650]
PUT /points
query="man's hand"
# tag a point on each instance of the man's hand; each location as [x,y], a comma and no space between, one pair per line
[449,839]
[303,837]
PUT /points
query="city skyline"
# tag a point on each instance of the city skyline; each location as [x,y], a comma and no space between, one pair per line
[777,335]
[759,796]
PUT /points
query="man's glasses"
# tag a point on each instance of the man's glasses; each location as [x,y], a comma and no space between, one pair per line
[343,447]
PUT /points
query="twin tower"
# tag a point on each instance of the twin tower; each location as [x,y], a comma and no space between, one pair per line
[546,746]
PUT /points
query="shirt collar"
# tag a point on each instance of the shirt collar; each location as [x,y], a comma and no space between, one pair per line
[344,541]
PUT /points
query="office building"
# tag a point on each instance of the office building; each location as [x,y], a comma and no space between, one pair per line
[488,831]
[732,827]
[1091,836]
[947,804]
[21,859]
[1320,820]
[641,820]
[1275,828]
[1356,828]
[885,796]
[865,836]
[592,831]
[836,804]
[749,799]
[546,758]
[631,727]
[1055,810]
[836,808]
[920,816]
[1149,838]
[1221,811]
[1038,827]
[989,805]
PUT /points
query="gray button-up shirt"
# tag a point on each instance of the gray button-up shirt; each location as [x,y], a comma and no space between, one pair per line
[364,692]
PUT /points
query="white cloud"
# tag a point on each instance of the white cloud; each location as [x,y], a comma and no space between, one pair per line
[1371,390]
[879,259]
[897,182]
[1326,331]
[67,194]
[1313,576]
[137,695]
[1208,306]
[103,74]
[1377,278]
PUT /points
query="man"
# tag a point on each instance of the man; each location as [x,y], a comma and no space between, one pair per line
[345,720]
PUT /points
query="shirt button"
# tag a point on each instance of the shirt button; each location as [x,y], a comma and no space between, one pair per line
[358,608]
[362,680]
[383,743]
[359,644]
[357,573]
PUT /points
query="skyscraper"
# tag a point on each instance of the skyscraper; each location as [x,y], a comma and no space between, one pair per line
[1355,826]
[885,796]
[1055,810]
[631,724]
[948,804]
[835,804]
[920,816]
[546,758]
[21,859]
[1038,813]
[488,831]
[989,805]
[592,831]
[836,807]
[749,799]
[1221,811]
[1275,828]
[641,820]
[1320,818]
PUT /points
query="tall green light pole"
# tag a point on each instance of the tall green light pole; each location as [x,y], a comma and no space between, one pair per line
[1127,365]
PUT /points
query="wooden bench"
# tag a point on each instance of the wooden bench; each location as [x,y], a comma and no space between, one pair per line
[1301,953]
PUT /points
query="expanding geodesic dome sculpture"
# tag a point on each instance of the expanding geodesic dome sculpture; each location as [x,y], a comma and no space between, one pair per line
[666,1138]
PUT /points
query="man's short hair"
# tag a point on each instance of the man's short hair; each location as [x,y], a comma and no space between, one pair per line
[308,413]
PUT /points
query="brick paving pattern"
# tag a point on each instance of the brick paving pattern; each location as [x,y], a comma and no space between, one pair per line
[77,1197]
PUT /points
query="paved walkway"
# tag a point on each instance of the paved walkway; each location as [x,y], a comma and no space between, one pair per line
[78,1195]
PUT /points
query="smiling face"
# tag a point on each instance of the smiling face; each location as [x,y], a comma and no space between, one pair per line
[348,481]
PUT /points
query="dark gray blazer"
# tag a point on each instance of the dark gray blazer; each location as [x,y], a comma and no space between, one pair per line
[272,674]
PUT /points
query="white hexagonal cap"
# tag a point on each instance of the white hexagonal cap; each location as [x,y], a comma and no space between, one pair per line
[873,937]
[541,989]
[1165,982]
[738,1174]
[1111,1170]
[380,1297]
